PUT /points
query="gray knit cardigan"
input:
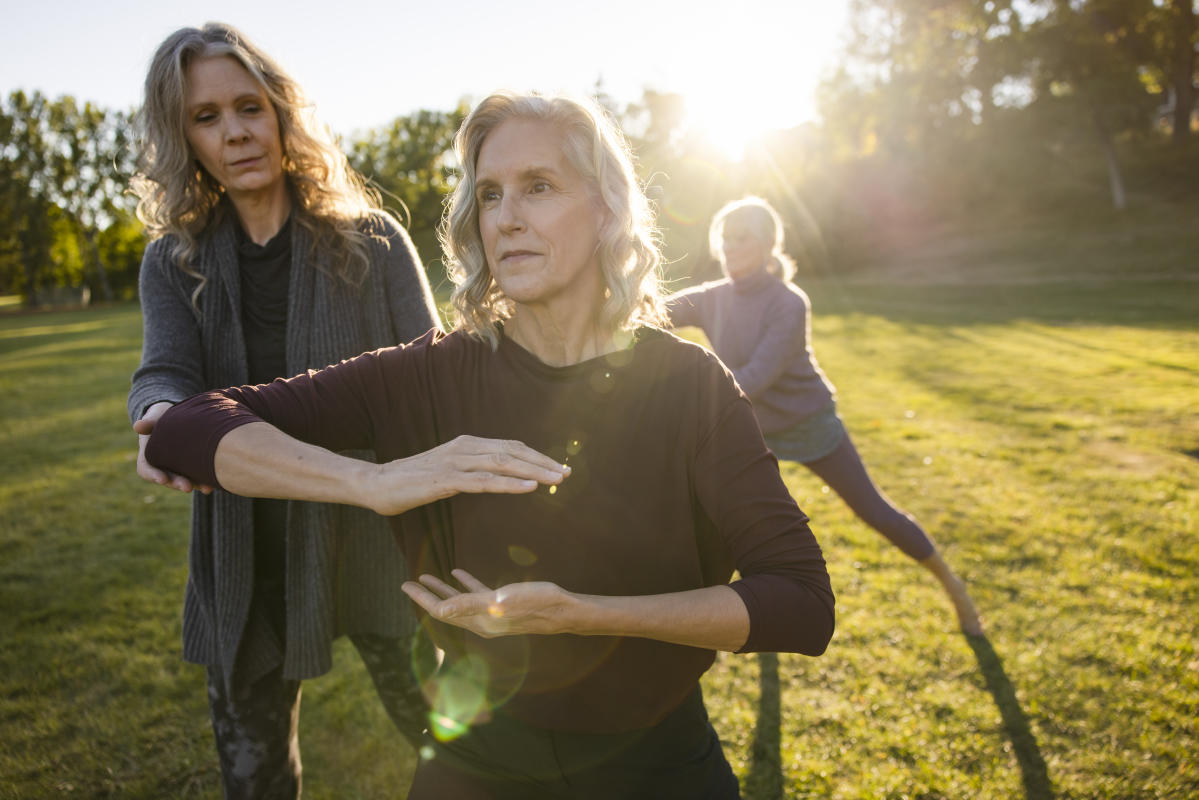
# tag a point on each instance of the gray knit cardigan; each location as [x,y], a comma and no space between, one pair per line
[343,567]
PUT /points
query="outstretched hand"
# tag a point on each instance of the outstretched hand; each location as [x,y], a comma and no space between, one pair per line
[147,471]
[468,464]
[532,607]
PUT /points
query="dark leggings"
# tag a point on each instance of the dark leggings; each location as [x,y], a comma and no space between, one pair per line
[845,473]
[256,727]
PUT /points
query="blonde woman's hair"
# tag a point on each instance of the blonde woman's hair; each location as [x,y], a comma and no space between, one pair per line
[628,250]
[178,197]
[760,218]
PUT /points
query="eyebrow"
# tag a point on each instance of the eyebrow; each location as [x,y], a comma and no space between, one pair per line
[256,96]
[534,171]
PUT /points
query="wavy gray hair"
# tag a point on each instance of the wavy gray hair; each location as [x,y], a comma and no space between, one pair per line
[757,215]
[628,251]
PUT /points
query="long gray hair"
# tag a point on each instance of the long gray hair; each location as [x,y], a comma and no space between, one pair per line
[177,197]
[628,249]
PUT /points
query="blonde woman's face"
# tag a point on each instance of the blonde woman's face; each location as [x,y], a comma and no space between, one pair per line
[744,252]
[232,128]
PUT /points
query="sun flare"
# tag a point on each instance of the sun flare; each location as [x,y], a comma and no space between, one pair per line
[732,115]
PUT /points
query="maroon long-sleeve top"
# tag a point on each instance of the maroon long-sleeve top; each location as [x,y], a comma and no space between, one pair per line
[671,489]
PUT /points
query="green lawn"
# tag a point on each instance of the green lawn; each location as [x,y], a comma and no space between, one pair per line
[1047,435]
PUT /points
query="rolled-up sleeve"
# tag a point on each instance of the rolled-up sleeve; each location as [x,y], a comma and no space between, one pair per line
[335,408]
[784,581]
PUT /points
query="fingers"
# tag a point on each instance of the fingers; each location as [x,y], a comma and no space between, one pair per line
[434,594]
[145,425]
[507,457]
[145,470]
[422,597]
[504,465]
[181,483]
[444,602]
[151,474]
[443,589]
[148,472]
[487,482]
[471,583]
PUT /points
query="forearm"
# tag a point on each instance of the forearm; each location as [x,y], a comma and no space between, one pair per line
[259,460]
[713,618]
[170,368]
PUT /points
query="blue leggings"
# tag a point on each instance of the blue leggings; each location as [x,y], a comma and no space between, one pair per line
[844,472]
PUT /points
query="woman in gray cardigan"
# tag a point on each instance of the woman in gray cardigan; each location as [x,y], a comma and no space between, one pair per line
[270,257]
[759,324]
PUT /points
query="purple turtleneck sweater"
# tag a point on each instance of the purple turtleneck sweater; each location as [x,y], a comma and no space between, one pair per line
[760,327]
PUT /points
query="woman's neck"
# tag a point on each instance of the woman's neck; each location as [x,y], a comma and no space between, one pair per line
[262,214]
[752,278]
[560,339]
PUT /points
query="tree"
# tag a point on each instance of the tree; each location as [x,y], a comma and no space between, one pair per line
[1178,44]
[1088,57]
[63,169]
[924,78]
[24,180]
[91,162]
[410,162]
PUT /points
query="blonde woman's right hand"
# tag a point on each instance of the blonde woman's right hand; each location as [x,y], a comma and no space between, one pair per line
[147,471]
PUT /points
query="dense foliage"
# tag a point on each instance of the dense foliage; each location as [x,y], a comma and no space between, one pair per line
[939,113]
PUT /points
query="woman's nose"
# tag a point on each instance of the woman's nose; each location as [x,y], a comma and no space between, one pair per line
[235,129]
[510,216]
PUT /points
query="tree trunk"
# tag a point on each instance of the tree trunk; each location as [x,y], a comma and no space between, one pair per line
[1182,14]
[31,294]
[31,240]
[101,272]
[1114,176]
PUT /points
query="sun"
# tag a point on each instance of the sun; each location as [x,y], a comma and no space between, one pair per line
[753,69]
[733,115]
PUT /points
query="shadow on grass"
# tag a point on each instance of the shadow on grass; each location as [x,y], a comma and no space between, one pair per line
[765,778]
[1033,771]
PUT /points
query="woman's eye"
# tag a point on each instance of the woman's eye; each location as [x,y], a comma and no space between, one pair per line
[488,196]
[539,187]
[205,117]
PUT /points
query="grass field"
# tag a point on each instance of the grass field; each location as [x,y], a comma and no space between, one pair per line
[1046,434]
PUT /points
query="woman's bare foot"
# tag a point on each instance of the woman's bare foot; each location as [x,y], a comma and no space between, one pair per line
[968,618]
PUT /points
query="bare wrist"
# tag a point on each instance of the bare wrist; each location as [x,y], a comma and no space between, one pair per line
[363,485]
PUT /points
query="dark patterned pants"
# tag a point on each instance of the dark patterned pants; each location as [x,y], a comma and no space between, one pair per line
[256,727]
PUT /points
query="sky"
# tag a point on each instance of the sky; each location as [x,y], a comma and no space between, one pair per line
[744,67]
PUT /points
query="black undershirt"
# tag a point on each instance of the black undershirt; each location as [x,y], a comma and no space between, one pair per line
[265,278]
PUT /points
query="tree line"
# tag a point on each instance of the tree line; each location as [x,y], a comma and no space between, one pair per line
[937,110]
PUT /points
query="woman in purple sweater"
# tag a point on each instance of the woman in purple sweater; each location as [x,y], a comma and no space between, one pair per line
[577,614]
[760,325]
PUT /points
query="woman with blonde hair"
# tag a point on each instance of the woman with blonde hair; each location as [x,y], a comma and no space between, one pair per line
[576,617]
[759,324]
[268,257]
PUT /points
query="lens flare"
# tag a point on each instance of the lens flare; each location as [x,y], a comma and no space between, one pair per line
[459,698]
[523,556]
